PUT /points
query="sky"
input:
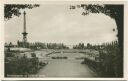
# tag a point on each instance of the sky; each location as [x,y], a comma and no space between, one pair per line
[56,23]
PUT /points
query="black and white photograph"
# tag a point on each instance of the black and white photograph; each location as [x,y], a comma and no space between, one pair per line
[63,40]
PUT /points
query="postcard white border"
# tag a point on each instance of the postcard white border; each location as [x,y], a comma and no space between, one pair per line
[63,2]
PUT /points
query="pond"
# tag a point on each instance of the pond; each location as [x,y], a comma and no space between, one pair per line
[70,67]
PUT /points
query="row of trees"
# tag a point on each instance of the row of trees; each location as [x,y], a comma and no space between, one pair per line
[96,47]
[39,45]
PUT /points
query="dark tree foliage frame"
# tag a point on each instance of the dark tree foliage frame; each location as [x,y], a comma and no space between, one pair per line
[11,10]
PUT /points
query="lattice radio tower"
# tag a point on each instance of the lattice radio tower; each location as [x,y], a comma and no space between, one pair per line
[24,30]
